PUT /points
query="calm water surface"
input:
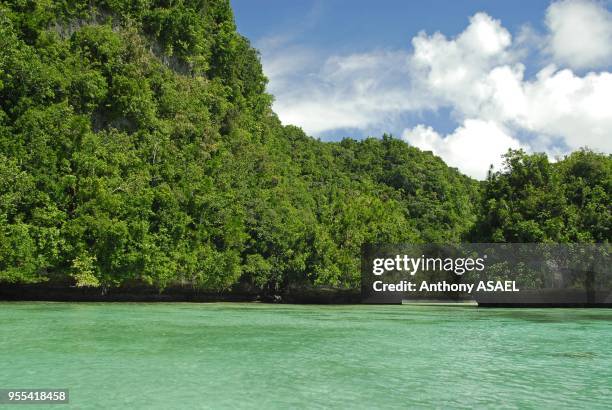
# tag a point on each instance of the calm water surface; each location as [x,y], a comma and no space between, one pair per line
[178,356]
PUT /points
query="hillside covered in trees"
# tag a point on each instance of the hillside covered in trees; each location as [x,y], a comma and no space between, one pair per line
[138,145]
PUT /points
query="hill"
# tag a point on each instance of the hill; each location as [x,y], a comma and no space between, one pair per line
[138,145]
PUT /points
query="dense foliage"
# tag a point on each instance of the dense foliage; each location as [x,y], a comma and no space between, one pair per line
[533,200]
[137,144]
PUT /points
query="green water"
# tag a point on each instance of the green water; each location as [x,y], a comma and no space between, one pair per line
[180,356]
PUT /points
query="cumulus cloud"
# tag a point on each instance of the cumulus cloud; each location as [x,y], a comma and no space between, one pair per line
[489,84]
[580,34]
[472,147]
[479,75]
[465,72]
[559,103]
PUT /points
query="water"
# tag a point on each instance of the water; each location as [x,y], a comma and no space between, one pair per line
[180,356]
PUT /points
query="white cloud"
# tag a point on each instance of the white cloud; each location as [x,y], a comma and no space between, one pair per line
[580,34]
[559,103]
[472,147]
[479,75]
[489,84]
[455,72]
[352,91]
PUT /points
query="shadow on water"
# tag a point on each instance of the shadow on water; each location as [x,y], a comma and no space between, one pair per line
[550,315]
[575,355]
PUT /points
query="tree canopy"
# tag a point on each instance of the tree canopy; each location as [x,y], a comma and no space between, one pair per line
[138,145]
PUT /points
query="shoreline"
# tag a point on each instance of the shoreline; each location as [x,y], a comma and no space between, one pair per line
[143,293]
[140,293]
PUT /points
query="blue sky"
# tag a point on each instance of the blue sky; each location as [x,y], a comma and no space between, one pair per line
[358,25]
[498,75]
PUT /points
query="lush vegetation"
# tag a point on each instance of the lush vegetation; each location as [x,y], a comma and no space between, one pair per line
[137,144]
[533,200]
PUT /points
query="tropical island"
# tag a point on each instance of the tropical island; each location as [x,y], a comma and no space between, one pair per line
[138,147]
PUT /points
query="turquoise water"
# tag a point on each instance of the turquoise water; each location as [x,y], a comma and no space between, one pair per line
[180,356]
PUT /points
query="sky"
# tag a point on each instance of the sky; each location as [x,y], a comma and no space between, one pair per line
[465,79]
